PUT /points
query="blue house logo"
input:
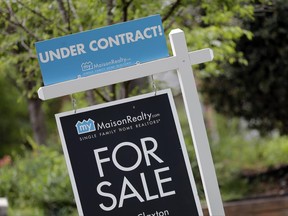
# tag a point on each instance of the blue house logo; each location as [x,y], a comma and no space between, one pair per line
[87,66]
[85,126]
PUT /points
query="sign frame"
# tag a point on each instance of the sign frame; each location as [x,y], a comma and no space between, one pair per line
[118,102]
[180,61]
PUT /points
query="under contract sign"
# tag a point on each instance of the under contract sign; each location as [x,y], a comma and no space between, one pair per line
[100,50]
[128,157]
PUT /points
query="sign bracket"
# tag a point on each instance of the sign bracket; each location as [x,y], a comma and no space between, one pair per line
[120,75]
[180,61]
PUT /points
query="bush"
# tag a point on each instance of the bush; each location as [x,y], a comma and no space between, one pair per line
[38,180]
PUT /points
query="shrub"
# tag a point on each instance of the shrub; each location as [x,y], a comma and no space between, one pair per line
[39,179]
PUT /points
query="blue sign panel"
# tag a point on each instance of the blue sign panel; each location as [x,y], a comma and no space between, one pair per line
[99,50]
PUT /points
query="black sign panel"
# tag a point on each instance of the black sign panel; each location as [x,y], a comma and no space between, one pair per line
[128,157]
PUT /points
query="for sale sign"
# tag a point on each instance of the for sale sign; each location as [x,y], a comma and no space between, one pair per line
[128,157]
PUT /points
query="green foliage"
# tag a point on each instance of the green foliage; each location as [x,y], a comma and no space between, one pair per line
[275,151]
[13,117]
[38,180]
[239,150]
[220,27]
[257,91]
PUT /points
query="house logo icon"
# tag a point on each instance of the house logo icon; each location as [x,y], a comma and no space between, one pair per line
[85,126]
[87,66]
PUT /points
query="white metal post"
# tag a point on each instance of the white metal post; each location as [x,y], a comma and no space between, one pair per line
[196,123]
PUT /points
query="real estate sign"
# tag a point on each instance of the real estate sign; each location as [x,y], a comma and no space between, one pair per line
[128,157]
[100,50]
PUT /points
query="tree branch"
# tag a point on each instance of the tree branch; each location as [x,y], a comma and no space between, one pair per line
[109,12]
[25,46]
[125,9]
[114,92]
[73,10]
[16,23]
[126,88]
[64,14]
[20,25]
[40,15]
[171,10]
[173,20]
[68,16]
[101,95]
[24,28]
[33,11]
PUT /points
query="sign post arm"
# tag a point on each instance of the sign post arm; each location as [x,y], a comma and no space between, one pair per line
[196,123]
[117,76]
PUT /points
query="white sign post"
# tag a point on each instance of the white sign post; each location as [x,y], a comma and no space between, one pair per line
[196,123]
[180,61]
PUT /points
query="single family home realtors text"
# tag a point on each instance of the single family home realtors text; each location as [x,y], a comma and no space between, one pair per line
[100,44]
